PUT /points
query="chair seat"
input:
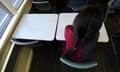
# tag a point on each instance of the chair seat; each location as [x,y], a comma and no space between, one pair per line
[78,65]
[43,5]
[24,42]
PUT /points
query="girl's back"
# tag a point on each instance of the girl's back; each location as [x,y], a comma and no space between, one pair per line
[81,38]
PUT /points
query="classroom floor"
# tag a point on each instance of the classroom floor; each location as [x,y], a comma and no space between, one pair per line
[46,57]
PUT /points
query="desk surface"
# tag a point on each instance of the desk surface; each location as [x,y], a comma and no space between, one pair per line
[37,27]
[67,18]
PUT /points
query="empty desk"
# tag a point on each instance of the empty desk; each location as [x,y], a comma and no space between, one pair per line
[37,27]
[67,18]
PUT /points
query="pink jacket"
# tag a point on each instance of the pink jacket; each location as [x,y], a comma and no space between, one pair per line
[84,51]
[70,43]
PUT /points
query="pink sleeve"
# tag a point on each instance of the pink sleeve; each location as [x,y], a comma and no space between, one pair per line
[69,36]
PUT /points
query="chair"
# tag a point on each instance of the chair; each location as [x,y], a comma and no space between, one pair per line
[24,42]
[42,5]
[78,65]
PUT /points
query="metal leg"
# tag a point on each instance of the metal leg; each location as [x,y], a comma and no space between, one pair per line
[113,45]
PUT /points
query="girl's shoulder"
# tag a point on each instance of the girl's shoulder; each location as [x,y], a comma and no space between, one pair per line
[69,30]
[69,27]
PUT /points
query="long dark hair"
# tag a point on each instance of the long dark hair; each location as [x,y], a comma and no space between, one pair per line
[87,24]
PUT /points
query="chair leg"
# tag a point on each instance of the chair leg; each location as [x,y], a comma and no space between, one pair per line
[113,45]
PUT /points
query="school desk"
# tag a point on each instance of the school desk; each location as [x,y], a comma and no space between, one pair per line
[67,18]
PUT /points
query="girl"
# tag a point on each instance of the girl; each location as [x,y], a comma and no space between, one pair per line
[82,36]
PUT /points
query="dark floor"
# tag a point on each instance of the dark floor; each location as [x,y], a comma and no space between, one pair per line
[46,58]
